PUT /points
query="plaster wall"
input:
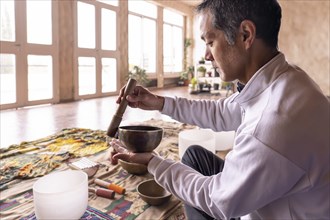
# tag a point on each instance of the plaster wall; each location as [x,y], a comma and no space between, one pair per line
[305,38]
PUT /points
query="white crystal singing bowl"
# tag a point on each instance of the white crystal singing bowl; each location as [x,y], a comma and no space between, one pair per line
[61,195]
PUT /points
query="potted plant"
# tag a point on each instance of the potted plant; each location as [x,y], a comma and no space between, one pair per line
[202,60]
[193,83]
[185,76]
[139,75]
[183,80]
[201,70]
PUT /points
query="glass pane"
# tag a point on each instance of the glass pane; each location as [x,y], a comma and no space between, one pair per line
[7,79]
[143,8]
[110,2]
[39,21]
[40,77]
[86,75]
[173,48]
[177,48]
[167,48]
[108,29]
[109,75]
[134,40]
[173,18]
[149,45]
[7,20]
[86,25]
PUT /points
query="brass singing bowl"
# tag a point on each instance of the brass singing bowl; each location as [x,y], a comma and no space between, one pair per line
[140,138]
[133,168]
[152,193]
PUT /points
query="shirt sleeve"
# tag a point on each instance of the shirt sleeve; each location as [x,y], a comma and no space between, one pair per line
[252,177]
[218,115]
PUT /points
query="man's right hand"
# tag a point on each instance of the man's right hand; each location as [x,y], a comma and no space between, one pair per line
[142,98]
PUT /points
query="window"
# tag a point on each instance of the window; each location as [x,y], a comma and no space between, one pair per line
[40,77]
[143,8]
[96,52]
[32,61]
[7,20]
[109,27]
[110,2]
[173,18]
[28,53]
[86,25]
[109,76]
[7,78]
[39,22]
[173,41]
[142,35]
[87,75]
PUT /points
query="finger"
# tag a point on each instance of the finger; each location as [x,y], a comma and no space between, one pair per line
[137,90]
[120,96]
[122,156]
[133,104]
[118,146]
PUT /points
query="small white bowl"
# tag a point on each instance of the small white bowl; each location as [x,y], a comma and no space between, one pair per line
[61,195]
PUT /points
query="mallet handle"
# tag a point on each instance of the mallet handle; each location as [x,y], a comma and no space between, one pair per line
[116,119]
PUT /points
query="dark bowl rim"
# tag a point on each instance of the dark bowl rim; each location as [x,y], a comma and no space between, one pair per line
[153,128]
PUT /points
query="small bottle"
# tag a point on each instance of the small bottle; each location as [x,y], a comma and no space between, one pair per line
[111,186]
[105,193]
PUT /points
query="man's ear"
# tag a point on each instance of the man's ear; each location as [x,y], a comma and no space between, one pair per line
[247,32]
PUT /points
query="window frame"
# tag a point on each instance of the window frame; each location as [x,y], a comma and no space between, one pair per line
[97,53]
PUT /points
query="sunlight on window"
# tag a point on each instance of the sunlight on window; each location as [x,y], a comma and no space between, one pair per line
[177,48]
[86,75]
[7,20]
[149,45]
[142,42]
[143,8]
[108,29]
[40,77]
[39,21]
[86,25]
[110,2]
[134,40]
[7,78]
[173,48]
[109,75]
[173,41]
[167,48]
[172,17]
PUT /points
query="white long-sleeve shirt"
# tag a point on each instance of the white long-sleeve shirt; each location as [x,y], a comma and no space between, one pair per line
[279,165]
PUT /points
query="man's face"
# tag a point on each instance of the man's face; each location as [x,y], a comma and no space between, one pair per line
[227,59]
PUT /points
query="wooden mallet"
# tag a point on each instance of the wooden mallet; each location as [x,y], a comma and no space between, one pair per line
[116,119]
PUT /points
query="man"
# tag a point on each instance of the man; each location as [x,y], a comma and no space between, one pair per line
[279,165]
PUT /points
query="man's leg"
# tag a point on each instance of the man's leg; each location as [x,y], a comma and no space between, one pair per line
[207,164]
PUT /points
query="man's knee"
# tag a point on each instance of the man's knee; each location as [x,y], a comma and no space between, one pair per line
[190,154]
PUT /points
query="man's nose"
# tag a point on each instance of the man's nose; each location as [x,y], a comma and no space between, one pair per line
[208,55]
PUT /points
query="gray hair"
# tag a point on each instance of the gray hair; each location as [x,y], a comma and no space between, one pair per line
[228,15]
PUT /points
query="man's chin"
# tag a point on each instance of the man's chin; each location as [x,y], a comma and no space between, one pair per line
[225,79]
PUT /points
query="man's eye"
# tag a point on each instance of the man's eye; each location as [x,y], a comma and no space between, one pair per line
[210,44]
